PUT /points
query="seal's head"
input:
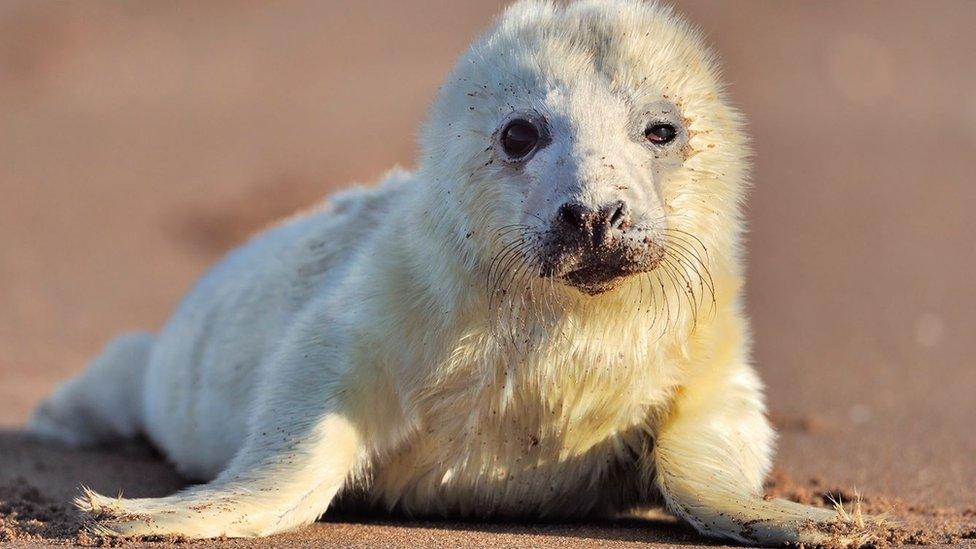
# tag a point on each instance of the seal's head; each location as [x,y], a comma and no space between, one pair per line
[591,143]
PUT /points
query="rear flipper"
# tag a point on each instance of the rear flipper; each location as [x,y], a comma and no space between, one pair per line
[104,402]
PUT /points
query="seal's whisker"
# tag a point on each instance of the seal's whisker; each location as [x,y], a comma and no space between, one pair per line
[495,271]
[691,254]
[687,267]
[513,269]
[653,293]
[514,257]
[682,284]
[563,310]
[686,259]
[533,214]
[524,273]
[698,240]
[667,303]
[705,283]
[640,298]
[513,272]
[548,293]
[508,229]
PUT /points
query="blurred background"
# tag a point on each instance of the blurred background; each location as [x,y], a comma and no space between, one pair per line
[140,140]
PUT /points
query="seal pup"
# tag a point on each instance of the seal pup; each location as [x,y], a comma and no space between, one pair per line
[543,320]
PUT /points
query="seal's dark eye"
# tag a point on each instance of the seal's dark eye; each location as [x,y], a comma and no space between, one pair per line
[659,134]
[519,138]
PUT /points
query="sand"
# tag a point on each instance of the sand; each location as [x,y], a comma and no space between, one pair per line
[139,141]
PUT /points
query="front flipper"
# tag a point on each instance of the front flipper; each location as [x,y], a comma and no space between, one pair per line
[269,489]
[710,456]
[747,518]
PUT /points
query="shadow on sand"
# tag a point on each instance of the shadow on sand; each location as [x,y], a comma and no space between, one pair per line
[48,476]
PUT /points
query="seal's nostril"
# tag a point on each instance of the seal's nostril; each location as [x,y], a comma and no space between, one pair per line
[574,214]
[580,218]
[618,215]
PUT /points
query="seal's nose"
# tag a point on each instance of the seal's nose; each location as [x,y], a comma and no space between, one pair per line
[585,223]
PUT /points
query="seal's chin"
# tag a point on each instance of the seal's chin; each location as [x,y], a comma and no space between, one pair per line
[592,281]
[597,278]
[595,271]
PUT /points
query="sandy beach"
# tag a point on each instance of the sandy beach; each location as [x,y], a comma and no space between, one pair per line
[140,141]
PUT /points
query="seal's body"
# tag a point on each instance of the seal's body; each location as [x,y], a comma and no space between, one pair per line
[542,321]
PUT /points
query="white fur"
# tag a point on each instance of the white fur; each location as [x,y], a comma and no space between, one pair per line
[359,348]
